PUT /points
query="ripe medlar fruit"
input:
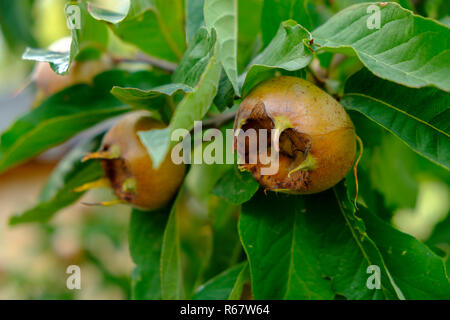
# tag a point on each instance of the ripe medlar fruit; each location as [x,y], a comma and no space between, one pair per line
[316,141]
[129,168]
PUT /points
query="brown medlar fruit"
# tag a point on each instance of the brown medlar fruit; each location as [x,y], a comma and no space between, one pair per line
[316,141]
[129,168]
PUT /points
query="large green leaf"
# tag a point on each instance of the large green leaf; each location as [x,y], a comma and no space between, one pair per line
[145,241]
[235,186]
[407,49]
[227,284]
[156,27]
[308,247]
[171,270]
[63,115]
[420,117]
[222,16]
[276,11]
[193,107]
[59,192]
[287,51]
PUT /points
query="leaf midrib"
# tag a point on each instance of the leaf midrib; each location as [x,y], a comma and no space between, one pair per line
[47,123]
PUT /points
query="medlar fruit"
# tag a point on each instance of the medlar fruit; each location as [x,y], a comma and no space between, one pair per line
[129,168]
[316,141]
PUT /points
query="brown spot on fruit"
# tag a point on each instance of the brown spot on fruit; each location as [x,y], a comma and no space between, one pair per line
[317,141]
[132,175]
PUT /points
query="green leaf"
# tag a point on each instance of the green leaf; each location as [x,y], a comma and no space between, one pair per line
[441,233]
[407,49]
[249,31]
[227,284]
[152,99]
[368,247]
[418,271]
[222,16]
[196,58]
[145,241]
[226,247]
[111,15]
[194,17]
[308,247]
[58,192]
[276,11]
[156,27]
[171,270]
[91,37]
[287,51]
[242,279]
[235,186]
[401,111]
[59,61]
[193,107]
[63,115]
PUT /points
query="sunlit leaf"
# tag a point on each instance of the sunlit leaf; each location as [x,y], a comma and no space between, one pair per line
[287,51]
[407,48]
[222,16]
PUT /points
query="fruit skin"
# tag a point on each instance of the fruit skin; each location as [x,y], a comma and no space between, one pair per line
[319,134]
[153,188]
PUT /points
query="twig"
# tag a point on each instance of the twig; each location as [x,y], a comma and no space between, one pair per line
[159,63]
[219,120]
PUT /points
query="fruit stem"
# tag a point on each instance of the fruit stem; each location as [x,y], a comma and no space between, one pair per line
[355,168]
